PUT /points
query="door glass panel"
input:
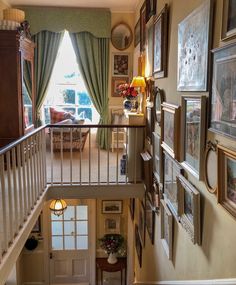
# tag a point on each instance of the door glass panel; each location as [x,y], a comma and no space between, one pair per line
[82,227]
[57,243]
[57,228]
[55,217]
[69,242]
[69,214]
[69,228]
[82,242]
[82,212]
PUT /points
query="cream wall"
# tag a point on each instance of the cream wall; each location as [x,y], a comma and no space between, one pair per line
[215,258]
[3,5]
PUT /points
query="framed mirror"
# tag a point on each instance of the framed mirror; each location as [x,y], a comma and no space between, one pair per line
[158,100]
[121,36]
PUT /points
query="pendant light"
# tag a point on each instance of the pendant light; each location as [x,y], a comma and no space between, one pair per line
[58,207]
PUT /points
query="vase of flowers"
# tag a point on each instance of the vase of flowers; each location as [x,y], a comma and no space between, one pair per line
[112,243]
[130,95]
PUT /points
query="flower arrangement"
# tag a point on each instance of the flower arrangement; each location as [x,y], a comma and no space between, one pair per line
[125,90]
[111,243]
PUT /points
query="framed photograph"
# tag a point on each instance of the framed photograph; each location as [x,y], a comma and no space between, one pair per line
[120,64]
[226,173]
[143,27]
[193,133]
[147,169]
[150,219]
[170,129]
[150,8]
[210,167]
[138,245]
[137,33]
[37,226]
[149,48]
[193,49]
[112,225]
[157,101]
[132,207]
[228,29]
[112,206]
[166,229]
[157,158]
[223,91]
[160,44]
[116,81]
[190,209]
[172,170]
[141,223]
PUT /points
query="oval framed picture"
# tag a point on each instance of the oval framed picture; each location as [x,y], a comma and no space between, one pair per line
[158,100]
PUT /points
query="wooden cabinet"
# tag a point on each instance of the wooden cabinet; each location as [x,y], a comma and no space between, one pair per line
[17,114]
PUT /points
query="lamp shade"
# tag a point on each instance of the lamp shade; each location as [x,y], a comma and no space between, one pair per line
[14,15]
[58,206]
[138,81]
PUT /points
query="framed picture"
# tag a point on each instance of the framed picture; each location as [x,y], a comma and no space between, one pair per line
[132,207]
[210,167]
[160,44]
[172,170]
[150,219]
[150,8]
[226,173]
[149,48]
[120,64]
[143,27]
[137,33]
[193,133]
[170,129]
[112,206]
[138,245]
[228,29]
[223,91]
[141,223]
[193,49]
[112,225]
[116,81]
[37,226]
[190,209]
[157,158]
[157,101]
[157,195]
[147,169]
[166,229]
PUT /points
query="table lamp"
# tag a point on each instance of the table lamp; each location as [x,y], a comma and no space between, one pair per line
[139,83]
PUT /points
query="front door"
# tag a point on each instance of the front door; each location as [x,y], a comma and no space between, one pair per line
[71,257]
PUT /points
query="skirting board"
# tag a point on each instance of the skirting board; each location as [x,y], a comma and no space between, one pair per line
[191,282]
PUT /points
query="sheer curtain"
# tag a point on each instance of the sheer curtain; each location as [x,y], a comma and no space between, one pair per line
[92,55]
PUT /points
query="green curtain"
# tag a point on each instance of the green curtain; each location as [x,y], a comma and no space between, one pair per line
[47,44]
[93,59]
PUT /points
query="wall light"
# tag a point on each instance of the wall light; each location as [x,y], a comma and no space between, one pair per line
[58,206]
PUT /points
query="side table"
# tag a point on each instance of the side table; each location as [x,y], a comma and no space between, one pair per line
[103,265]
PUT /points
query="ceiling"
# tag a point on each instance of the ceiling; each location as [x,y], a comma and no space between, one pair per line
[114,5]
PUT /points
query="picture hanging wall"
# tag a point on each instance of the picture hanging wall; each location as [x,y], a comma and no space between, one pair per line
[160,44]
[226,173]
[193,48]
[223,91]
[228,29]
[120,64]
[193,133]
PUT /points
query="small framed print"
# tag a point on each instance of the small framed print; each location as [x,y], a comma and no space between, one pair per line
[170,129]
[138,245]
[157,157]
[228,29]
[193,133]
[150,219]
[112,225]
[137,33]
[112,206]
[166,229]
[116,81]
[120,64]
[190,209]
[226,173]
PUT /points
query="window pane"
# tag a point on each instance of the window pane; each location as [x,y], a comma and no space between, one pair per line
[82,228]
[81,212]
[55,217]
[69,213]
[69,228]
[56,228]
[69,242]
[57,243]
[82,242]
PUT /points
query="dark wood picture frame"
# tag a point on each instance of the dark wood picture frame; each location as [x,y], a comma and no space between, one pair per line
[132,207]
[157,101]
[150,8]
[137,33]
[138,245]
[147,169]
[150,218]
[142,222]
[228,28]
[143,27]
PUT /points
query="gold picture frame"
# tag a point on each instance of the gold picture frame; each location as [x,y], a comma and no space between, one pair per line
[112,224]
[228,28]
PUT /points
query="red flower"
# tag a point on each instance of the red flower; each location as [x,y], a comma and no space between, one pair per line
[125,90]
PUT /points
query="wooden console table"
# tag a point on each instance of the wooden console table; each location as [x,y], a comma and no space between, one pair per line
[103,265]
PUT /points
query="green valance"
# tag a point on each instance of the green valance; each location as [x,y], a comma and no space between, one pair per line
[75,20]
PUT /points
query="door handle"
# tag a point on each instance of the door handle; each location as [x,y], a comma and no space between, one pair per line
[50,255]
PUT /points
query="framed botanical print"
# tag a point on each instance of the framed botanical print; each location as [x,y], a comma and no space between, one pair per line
[112,225]
[166,229]
[170,129]
[172,170]
[190,209]
[120,64]
[150,8]
[116,81]
[160,44]
[228,29]
[150,219]
[143,27]
[137,33]
[193,133]
[226,173]
[193,49]
[157,157]
[138,245]
[157,101]
[223,91]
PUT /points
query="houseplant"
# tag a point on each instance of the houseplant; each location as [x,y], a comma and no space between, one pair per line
[112,244]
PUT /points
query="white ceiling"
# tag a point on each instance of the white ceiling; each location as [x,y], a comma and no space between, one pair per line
[114,5]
